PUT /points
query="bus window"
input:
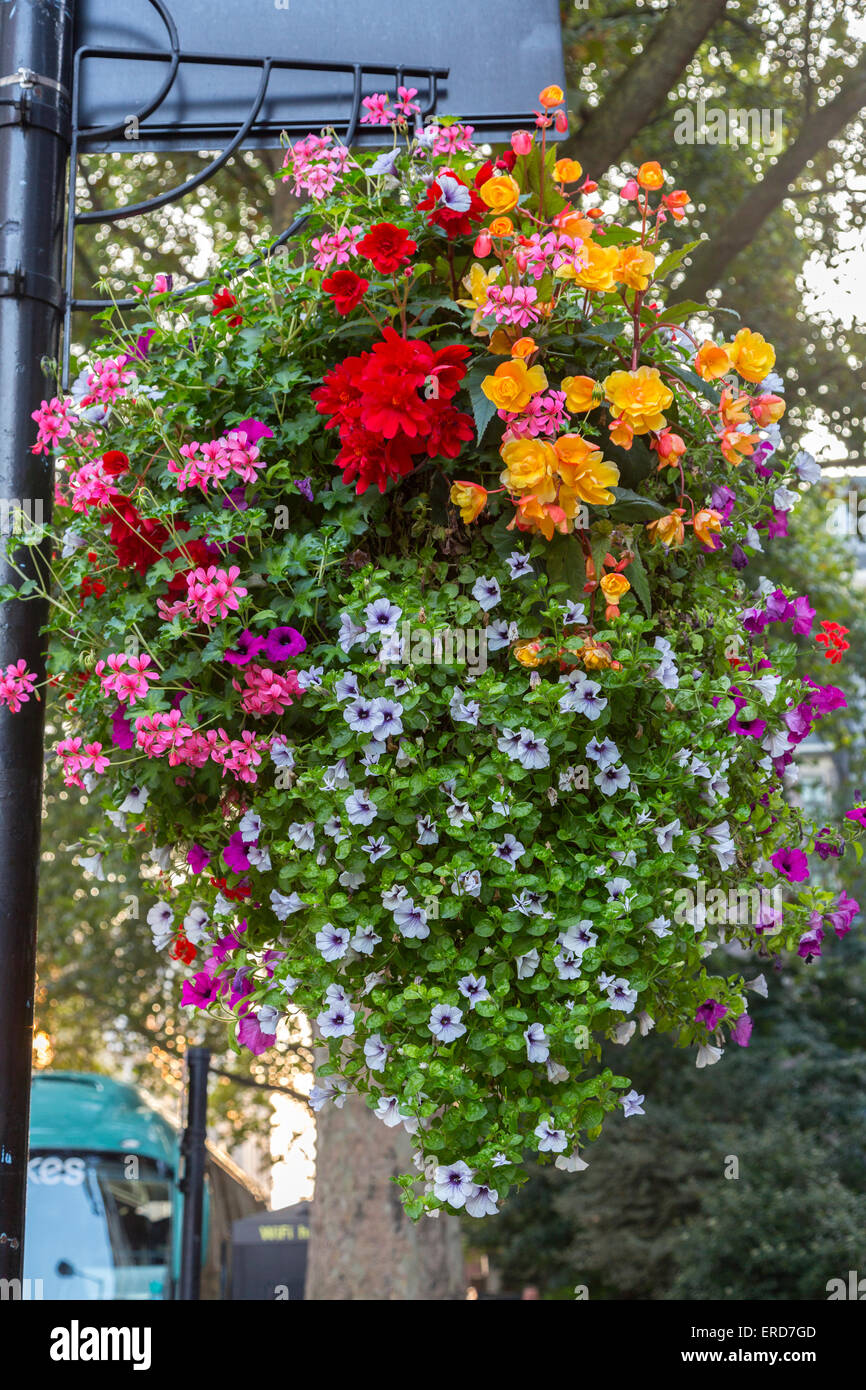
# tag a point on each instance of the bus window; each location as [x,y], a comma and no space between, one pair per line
[98,1225]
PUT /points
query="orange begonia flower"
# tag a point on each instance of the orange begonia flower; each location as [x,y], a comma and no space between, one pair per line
[567,170]
[767,410]
[650,175]
[551,96]
[712,361]
[707,523]
[669,530]
[501,193]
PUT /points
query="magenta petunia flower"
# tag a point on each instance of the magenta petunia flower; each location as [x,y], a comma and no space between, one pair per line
[282,643]
[235,855]
[791,863]
[122,735]
[248,646]
[254,430]
[197,858]
[742,1031]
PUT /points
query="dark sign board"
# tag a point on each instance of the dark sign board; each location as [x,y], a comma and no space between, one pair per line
[208,55]
[269,1254]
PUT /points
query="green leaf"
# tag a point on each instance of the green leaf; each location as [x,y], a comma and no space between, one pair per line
[604,333]
[482,408]
[692,379]
[674,259]
[639,580]
[565,564]
[631,506]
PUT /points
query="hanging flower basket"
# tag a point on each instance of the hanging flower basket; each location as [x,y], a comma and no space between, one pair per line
[398,614]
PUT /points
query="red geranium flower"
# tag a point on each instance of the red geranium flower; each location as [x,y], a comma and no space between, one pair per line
[392,403]
[137,541]
[222,300]
[387,247]
[346,289]
[833,640]
[114,463]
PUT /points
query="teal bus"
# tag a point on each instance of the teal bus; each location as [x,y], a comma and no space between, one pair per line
[103,1204]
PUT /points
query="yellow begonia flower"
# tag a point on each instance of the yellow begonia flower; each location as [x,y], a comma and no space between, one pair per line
[471,498]
[581,394]
[501,193]
[669,530]
[529,467]
[477,283]
[599,273]
[639,398]
[752,356]
[635,267]
[513,384]
[582,468]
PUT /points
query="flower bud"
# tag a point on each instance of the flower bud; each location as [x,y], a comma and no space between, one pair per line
[522,141]
[483,244]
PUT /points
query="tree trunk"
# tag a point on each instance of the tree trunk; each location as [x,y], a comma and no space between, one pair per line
[709,262]
[362,1245]
[610,127]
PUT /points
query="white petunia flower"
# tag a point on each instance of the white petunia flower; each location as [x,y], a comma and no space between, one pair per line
[452,1183]
[445,1023]
[632,1104]
[332,942]
[487,593]
[376,1052]
[537,1043]
[550,1139]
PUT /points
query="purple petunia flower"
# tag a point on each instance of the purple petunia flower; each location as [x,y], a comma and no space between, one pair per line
[711,1012]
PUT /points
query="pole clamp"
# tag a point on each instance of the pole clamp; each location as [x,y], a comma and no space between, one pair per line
[31,284]
[27,78]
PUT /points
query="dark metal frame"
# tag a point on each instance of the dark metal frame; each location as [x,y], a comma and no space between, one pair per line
[84,137]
